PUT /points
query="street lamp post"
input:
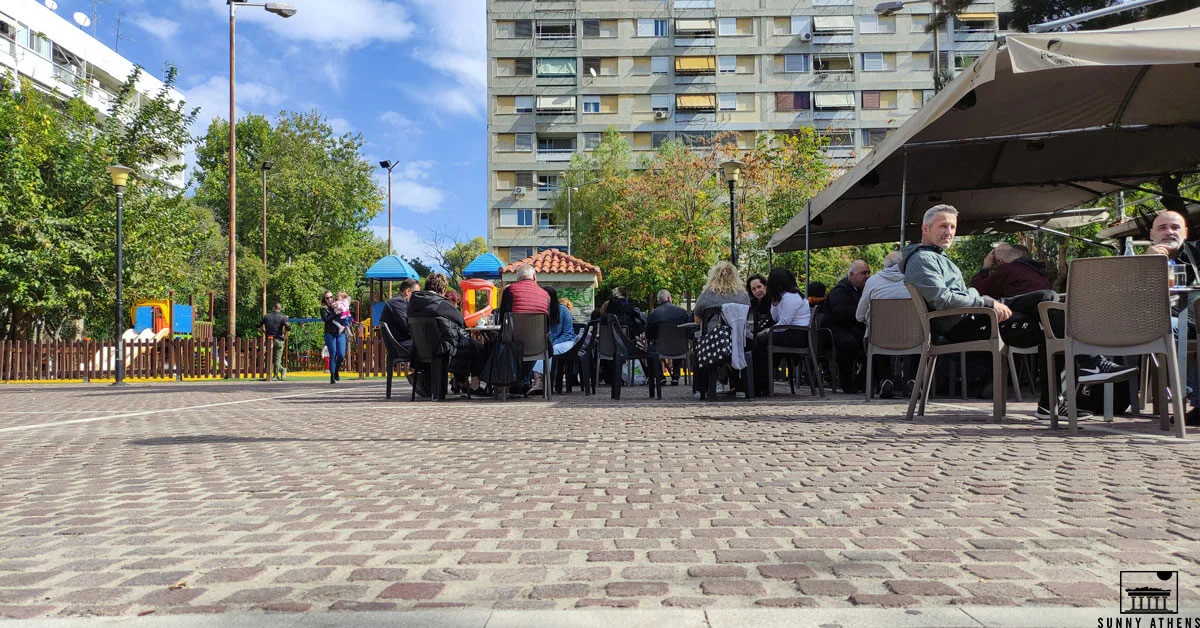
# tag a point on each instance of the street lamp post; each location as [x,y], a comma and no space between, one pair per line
[266,165]
[282,10]
[733,170]
[120,176]
[388,164]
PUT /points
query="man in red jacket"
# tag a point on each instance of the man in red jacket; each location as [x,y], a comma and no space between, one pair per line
[1007,272]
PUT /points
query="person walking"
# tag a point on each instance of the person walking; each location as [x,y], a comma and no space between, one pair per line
[274,325]
[335,337]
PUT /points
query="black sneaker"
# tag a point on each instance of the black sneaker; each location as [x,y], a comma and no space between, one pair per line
[1103,369]
[1063,412]
[887,389]
[1192,417]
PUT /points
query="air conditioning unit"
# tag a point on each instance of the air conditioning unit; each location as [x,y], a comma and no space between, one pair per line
[661,115]
[806,36]
[519,190]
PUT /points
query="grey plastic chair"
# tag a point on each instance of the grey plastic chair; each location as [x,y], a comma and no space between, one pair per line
[533,332]
[1121,306]
[895,329]
[425,351]
[929,353]
[672,344]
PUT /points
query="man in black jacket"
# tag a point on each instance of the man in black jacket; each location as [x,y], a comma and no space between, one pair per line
[666,314]
[840,308]
[466,355]
[395,314]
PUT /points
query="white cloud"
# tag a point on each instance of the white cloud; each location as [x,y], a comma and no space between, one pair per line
[340,125]
[417,170]
[398,122]
[160,27]
[212,96]
[405,242]
[417,197]
[458,49]
[345,25]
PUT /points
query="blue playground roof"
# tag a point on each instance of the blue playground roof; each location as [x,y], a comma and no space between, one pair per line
[392,268]
[486,266]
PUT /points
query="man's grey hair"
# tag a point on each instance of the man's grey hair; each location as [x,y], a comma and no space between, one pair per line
[664,296]
[892,259]
[932,213]
[525,271]
[850,268]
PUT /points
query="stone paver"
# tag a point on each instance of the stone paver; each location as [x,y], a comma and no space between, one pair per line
[288,498]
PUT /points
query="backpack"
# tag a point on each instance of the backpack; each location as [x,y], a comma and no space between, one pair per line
[1090,397]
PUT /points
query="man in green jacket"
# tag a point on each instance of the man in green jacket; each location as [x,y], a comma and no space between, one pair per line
[940,282]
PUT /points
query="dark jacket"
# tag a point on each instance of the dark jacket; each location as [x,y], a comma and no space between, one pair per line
[395,314]
[842,304]
[275,324]
[760,314]
[1021,276]
[451,327]
[329,317]
[666,314]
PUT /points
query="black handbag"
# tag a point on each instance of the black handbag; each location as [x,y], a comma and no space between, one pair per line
[503,364]
[716,346]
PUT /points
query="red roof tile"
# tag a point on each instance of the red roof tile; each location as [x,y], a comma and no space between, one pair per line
[554,261]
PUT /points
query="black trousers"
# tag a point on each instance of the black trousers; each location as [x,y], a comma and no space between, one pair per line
[1023,329]
[764,374]
[850,353]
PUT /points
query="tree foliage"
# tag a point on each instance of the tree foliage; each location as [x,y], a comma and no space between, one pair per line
[320,198]
[57,207]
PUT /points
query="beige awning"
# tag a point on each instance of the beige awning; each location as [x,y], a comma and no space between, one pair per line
[696,65]
[556,103]
[833,23]
[1042,123]
[693,26]
[696,101]
[834,99]
[976,17]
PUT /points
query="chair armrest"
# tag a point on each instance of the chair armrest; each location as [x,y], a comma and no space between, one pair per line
[1044,316]
[967,311]
[785,327]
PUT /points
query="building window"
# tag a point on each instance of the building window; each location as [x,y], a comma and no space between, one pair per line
[792,101]
[556,144]
[591,104]
[523,28]
[660,28]
[834,101]
[523,67]
[872,62]
[658,138]
[696,138]
[555,30]
[795,63]
[727,64]
[801,25]
[652,28]
[919,24]
[660,65]
[548,183]
[660,102]
[872,137]
[552,67]
[591,28]
[726,102]
[591,66]
[727,26]
[839,139]
[545,219]
[516,217]
[870,100]
[523,179]
[523,142]
[523,104]
[591,141]
[518,253]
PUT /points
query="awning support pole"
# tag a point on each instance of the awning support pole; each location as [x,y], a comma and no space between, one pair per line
[904,199]
[807,229]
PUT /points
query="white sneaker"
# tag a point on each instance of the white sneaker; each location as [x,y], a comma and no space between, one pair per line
[1104,369]
[720,388]
[1063,412]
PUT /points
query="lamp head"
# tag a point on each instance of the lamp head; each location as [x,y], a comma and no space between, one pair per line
[119,174]
[733,170]
[267,165]
[386,164]
[281,9]
[888,8]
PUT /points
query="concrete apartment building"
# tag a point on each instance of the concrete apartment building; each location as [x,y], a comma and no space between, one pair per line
[59,57]
[560,72]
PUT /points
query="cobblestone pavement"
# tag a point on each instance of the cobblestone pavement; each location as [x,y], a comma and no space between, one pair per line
[210,498]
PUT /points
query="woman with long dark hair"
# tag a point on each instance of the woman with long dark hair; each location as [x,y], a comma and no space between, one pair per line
[760,305]
[788,308]
[335,336]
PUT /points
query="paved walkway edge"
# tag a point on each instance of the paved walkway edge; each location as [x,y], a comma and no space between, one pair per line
[947,617]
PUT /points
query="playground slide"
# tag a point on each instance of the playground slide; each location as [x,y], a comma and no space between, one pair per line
[106,357]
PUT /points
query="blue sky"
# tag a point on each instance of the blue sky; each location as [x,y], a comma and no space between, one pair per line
[410,76]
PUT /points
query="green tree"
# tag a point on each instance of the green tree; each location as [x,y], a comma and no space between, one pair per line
[320,198]
[57,260]
[453,254]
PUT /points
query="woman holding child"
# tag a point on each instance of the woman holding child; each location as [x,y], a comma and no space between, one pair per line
[336,319]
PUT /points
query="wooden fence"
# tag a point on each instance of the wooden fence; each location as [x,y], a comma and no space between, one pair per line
[175,358]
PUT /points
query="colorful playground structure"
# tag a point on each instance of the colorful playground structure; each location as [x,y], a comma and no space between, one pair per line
[479,299]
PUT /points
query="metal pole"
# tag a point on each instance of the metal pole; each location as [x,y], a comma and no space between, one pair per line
[1083,17]
[119,329]
[264,234]
[904,200]
[232,182]
[807,229]
[390,214]
[732,226]
[568,220]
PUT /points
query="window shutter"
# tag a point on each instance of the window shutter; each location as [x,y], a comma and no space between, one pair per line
[727,26]
[524,67]
[872,61]
[660,65]
[658,137]
[800,24]
[591,28]
[524,142]
[523,28]
[524,179]
[870,100]
[801,101]
[645,28]
[591,141]
[523,104]
[795,63]
[727,102]
[591,64]
[784,101]
[868,24]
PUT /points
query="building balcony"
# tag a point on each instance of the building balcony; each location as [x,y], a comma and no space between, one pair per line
[695,42]
[696,79]
[694,4]
[555,154]
[987,36]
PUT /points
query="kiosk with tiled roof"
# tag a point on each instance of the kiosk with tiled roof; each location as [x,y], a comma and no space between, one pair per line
[574,278]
